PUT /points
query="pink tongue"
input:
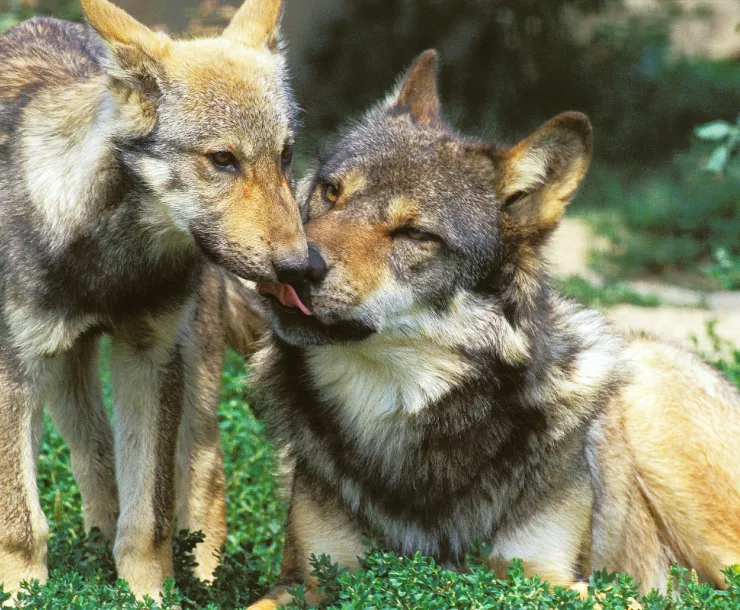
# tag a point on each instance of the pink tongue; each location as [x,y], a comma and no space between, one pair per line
[285,293]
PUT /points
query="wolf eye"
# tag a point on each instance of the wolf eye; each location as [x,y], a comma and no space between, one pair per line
[416,235]
[330,193]
[286,158]
[224,160]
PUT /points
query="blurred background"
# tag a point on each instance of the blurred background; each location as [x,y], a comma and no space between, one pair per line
[658,220]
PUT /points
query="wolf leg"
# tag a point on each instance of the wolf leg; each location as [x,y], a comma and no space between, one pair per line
[317,529]
[148,392]
[75,403]
[23,527]
[226,311]
[680,420]
[625,534]
[551,542]
[200,481]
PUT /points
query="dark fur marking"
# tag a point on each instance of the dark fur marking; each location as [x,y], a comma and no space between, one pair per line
[172,394]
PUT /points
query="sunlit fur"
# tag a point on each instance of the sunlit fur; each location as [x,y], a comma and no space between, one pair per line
[442,392]
[112,211]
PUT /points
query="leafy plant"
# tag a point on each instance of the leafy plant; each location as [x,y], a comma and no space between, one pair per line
[725,136]
[672,220]
[726,269]
[386,580]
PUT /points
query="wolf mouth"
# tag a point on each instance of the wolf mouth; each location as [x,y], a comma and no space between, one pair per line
[294,321]
[286,296]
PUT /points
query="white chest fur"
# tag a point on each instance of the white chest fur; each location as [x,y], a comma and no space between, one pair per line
[380,378]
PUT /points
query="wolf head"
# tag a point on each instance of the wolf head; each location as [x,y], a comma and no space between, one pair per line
[206,126]
[408,222]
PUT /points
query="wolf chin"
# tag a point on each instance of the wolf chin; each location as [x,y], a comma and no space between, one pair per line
[130,163]
[432,389]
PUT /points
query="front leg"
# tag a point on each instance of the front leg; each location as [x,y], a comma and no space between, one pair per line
[147,372]
[225,311]
[75,403]
[312,529]
[551,543]
[23,527]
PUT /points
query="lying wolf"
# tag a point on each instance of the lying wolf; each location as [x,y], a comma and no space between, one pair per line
[127,161]
[432,388]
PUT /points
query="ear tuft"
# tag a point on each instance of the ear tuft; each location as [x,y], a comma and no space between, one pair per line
[257,24]
[539,176]
[417,94]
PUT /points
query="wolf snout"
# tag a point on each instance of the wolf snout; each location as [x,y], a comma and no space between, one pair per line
[292,267]
[317,267]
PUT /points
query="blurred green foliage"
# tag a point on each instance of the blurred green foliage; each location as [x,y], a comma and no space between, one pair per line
[13,12]
[606,295]
[672,217]
[508,65]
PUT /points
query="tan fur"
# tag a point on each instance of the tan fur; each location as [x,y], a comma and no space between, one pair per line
[227,314]
[679,420]
[255,23]
[547,167]
[316,529]
[402,211]
[362,247]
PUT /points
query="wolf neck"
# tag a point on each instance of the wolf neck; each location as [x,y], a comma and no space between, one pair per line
[68,152]
[75,176]
[564,355]
[382,376]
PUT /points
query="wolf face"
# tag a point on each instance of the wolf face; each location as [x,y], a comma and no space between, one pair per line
[408,222]
[207,127]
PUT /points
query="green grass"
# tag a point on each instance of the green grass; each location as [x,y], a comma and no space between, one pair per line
[606,295]
[82,574]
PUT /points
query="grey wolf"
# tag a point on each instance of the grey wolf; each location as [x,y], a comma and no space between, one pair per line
[129,164]
[432,389]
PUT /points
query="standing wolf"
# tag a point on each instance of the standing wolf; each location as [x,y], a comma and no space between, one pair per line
[128,159]
[431,388]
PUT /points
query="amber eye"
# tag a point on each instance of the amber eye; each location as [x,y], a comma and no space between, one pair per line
[224,160]
[416,235]
[331,193]
[286,158]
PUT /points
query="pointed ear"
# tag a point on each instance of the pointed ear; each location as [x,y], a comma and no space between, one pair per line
[257,24]
[136,52]
[539,176]
[116,26]
[417,94]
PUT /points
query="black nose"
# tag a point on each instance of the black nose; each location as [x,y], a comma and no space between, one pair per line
[290,270]
[317,268]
